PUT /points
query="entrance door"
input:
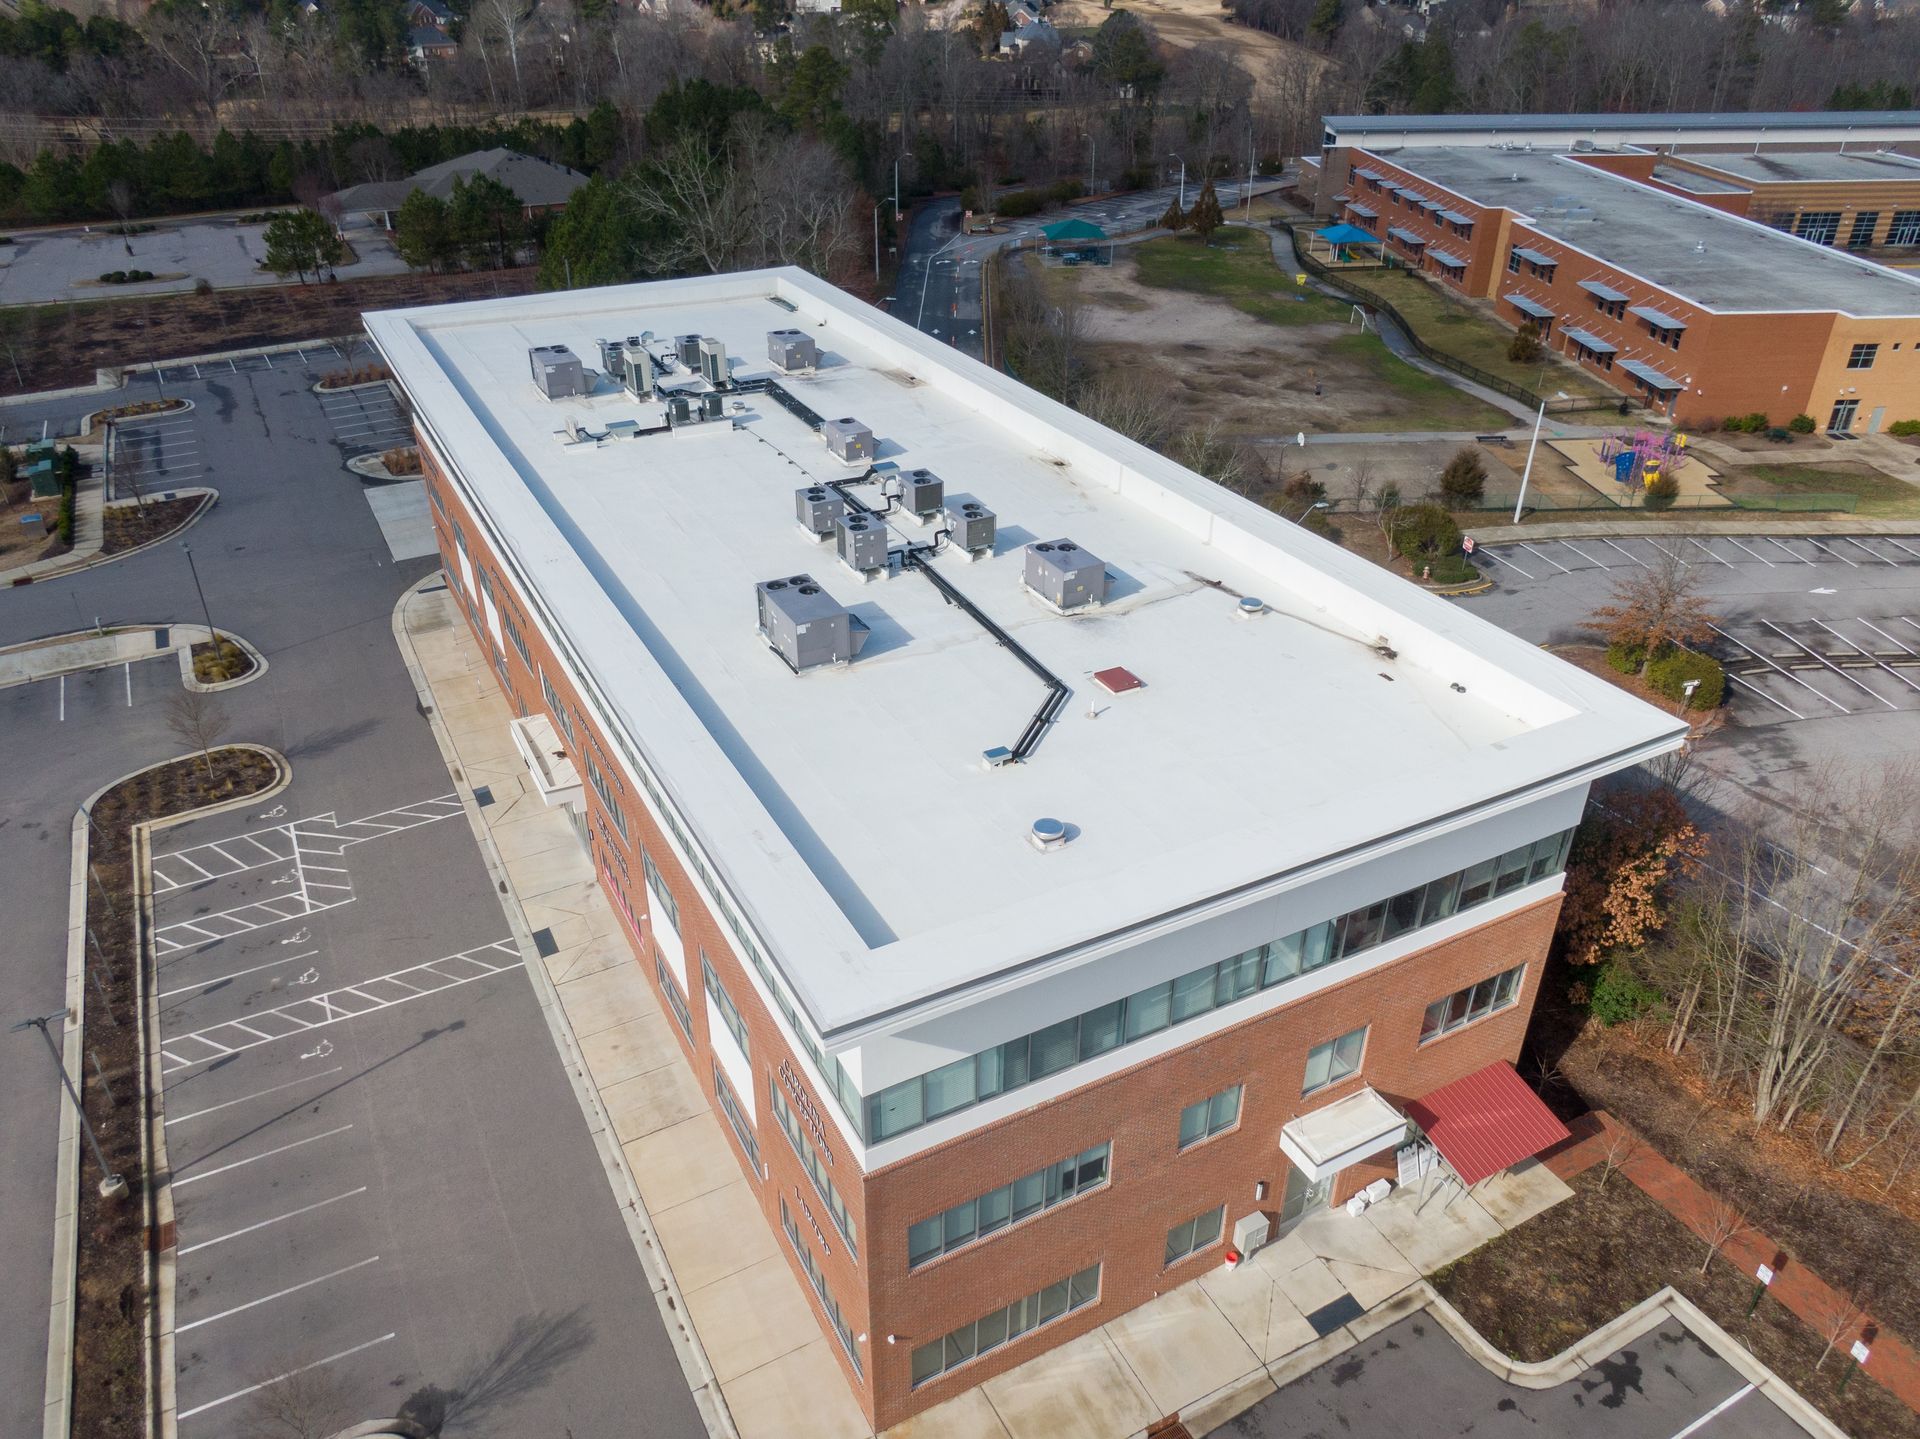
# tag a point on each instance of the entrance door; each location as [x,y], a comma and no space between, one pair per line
[1873,420]
[1841,420]
[1303,1196]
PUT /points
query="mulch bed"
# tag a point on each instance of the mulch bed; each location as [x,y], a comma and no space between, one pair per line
[109,1378]
[1593,659]
[229,663]
[127,527]
[1553,1280]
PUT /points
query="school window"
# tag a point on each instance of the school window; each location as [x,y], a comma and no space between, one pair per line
[1614,308]
[1193,1235]
[1861,235]
[557,707]
[1663,336]
[730,1106]
[1905,228]
[1819,226]
[1513,262]
[987,1214]
[811,1160]
[1602,358]
[513,634]
[598,779]
[665,905]
[676,1001]
[1210,1116]
[828,1304]
[1003,1326]
[723,1003]
[1862,357]
[1333,1061]
[1476,1001]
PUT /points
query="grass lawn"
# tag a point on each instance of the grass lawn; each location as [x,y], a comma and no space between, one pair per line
[1427,402]
[1238,268]
[1879,494]
[1468,334]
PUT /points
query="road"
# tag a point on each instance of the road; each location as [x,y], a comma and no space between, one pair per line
[502,1269]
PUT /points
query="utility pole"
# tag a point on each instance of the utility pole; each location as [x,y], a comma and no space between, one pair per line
[1527,473]
[903,155]
[112,1185]
[1183,179]
[195,571]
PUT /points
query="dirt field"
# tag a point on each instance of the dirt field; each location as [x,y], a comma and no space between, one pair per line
[1274,64]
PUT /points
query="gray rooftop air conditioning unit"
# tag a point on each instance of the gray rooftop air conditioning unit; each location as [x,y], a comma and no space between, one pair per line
[688,348]
[817,507]
[792,350]
[972,523]
[849,440]
[1064,575]
[713,406]
[806,626]
[557,371]
[639,375]
[613,361]
[713,363]
[679,409]
[862,541]
[922,493]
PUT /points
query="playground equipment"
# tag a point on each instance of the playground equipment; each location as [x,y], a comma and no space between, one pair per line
[1642,456]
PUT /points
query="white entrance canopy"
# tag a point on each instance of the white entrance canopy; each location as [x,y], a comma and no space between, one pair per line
[547,761]
[1345,1132]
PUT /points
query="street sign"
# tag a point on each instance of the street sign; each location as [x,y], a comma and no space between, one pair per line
[1859,1352]
[1764,1274]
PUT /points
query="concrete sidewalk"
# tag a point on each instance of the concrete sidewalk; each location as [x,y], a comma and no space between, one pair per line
[89,533]
[1210,1347]
[1498,529]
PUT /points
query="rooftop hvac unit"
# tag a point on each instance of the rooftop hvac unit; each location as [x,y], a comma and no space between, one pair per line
[557,371]
[679,409]
[862,541]
[1064,575]
[792,350]
[921,493]
[972,524]
[688,348]
[713,406]
[806,626]
[817,507]
[849,440]
[639,368]
[713,363]
[613,360]
[1250,1231]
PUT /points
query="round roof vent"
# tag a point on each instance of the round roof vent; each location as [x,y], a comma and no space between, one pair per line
[1251,606]
[1047,833]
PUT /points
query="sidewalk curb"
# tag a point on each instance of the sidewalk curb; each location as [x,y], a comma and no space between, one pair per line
[190,635]
[177,405]
[95,558]
[1509,534]
[702,1383]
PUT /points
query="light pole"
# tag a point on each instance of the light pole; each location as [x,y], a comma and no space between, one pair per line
[194,570]
[903,155]
[1316,505]
[1093,160]
[1527,473]
[876,244]
[112,1185]
[1183,177]
[1686,695]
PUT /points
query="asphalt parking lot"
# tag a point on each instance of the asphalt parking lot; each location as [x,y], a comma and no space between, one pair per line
[1412,1380]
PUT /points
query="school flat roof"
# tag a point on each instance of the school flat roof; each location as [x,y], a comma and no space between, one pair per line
[848,808]
[1804,167]
[1720,262]
[1755,120]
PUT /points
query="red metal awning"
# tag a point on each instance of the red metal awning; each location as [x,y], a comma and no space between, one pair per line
[1487,1121]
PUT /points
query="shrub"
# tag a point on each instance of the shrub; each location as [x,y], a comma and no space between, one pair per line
[1302,489]
[1779,434]
[401,460]
[1464,480]
[1801,424]
[1524,348]
[1668,674]
[1319,522]
[203,286]
[1753,424]
[1661,494]
[1904,427]
[1423,533]
[1018,204]
[1451,570]
[1626,658]
[1619,996]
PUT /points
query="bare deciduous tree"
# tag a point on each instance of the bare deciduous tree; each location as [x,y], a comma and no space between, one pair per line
[1722,1224]
[197,720]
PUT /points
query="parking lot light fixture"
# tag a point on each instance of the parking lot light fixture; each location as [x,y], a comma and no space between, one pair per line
[1316,505]
[112,1184]
[194,570]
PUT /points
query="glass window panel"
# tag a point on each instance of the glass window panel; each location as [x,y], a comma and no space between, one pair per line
[1476,884]
[1457,1008]
[1442,897]
[1346,1052]
[1513,869]
[1509,986]
[1434,1019]
[1029,1192]
[989,1079]
[1193,1124]
[1179,1242]
[1566,847]
[1319,1063]
[924,1240]
[1093,1166]
[1100,1029]
[1283,959]
[995,1209]
[894,1110]
[1317,945]
[1224,1110]
[1482,999]
[1361,929]
[1238,977]
[1206,1228]
[1193,994]
[959,1224]
[1056,1047]
[1085,1286]
[1020,1315]
[1147,1011]
[1052,1174]
[1545,852]
[960,1345]
[1403,913]
[991,1331]
[1053,1301]
[950,1087]
[1014,1065]
[928,1360]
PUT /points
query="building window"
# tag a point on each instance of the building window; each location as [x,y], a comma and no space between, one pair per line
[676,1001]
[1193,1235]
[1602,358]
[1002,1208]
[1003,1326]
[1614,308]
[1862,357]
[1333,1061]
[663,899]
[598,779]
[723,1004]
[1905,228]
[1513,262]
[828,1304]
[1861,235]
[812,1161]
[1476,1001]
[1819,226]
[742,1131]
[1210,1116]
[513,634]
[556,707]
[1663,336]
[1018,1062]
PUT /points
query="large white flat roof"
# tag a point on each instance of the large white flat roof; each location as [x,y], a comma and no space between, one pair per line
[848,808]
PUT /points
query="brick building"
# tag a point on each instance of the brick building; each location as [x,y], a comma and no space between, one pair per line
[1636,266]
[1035,911]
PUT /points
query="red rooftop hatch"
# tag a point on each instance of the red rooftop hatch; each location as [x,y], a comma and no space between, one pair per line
[1486,1122]
[1118,680]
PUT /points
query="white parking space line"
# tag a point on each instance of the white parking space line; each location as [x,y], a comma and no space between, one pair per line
[263,914]
[1784,673]
[1777,704]
[1861,649]
[277,1294]
[1673,555]
[1710,553]
[1802,644]
[1829,550]
[1714,1413]
[267,1223]
[222,979]
[1585,556]
[1628,553]
[1755,553]
[243,1163]
[281,1378]
[1889,539]
[257,1094]
[1549,559]
[1875,554]
[1885,636]
[1487,550]
[1790,554]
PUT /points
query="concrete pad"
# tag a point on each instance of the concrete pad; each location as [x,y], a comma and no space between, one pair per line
[595,954]
[1287,1328]
[751,1317]
[681,1162]
[550,869]
[801,1395]
[1082,1390]
[405,524]
[1371,1286]
[1244,1296]
[1283,1255]
[717,1234]
[1518,1194]
[1310,1286]
[605,998]
[965,1416]
[529,834]
[1228,1403]
[1435,1234]
[652,1100]
[1181,1347]
[618,1054]
[1335,1234]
